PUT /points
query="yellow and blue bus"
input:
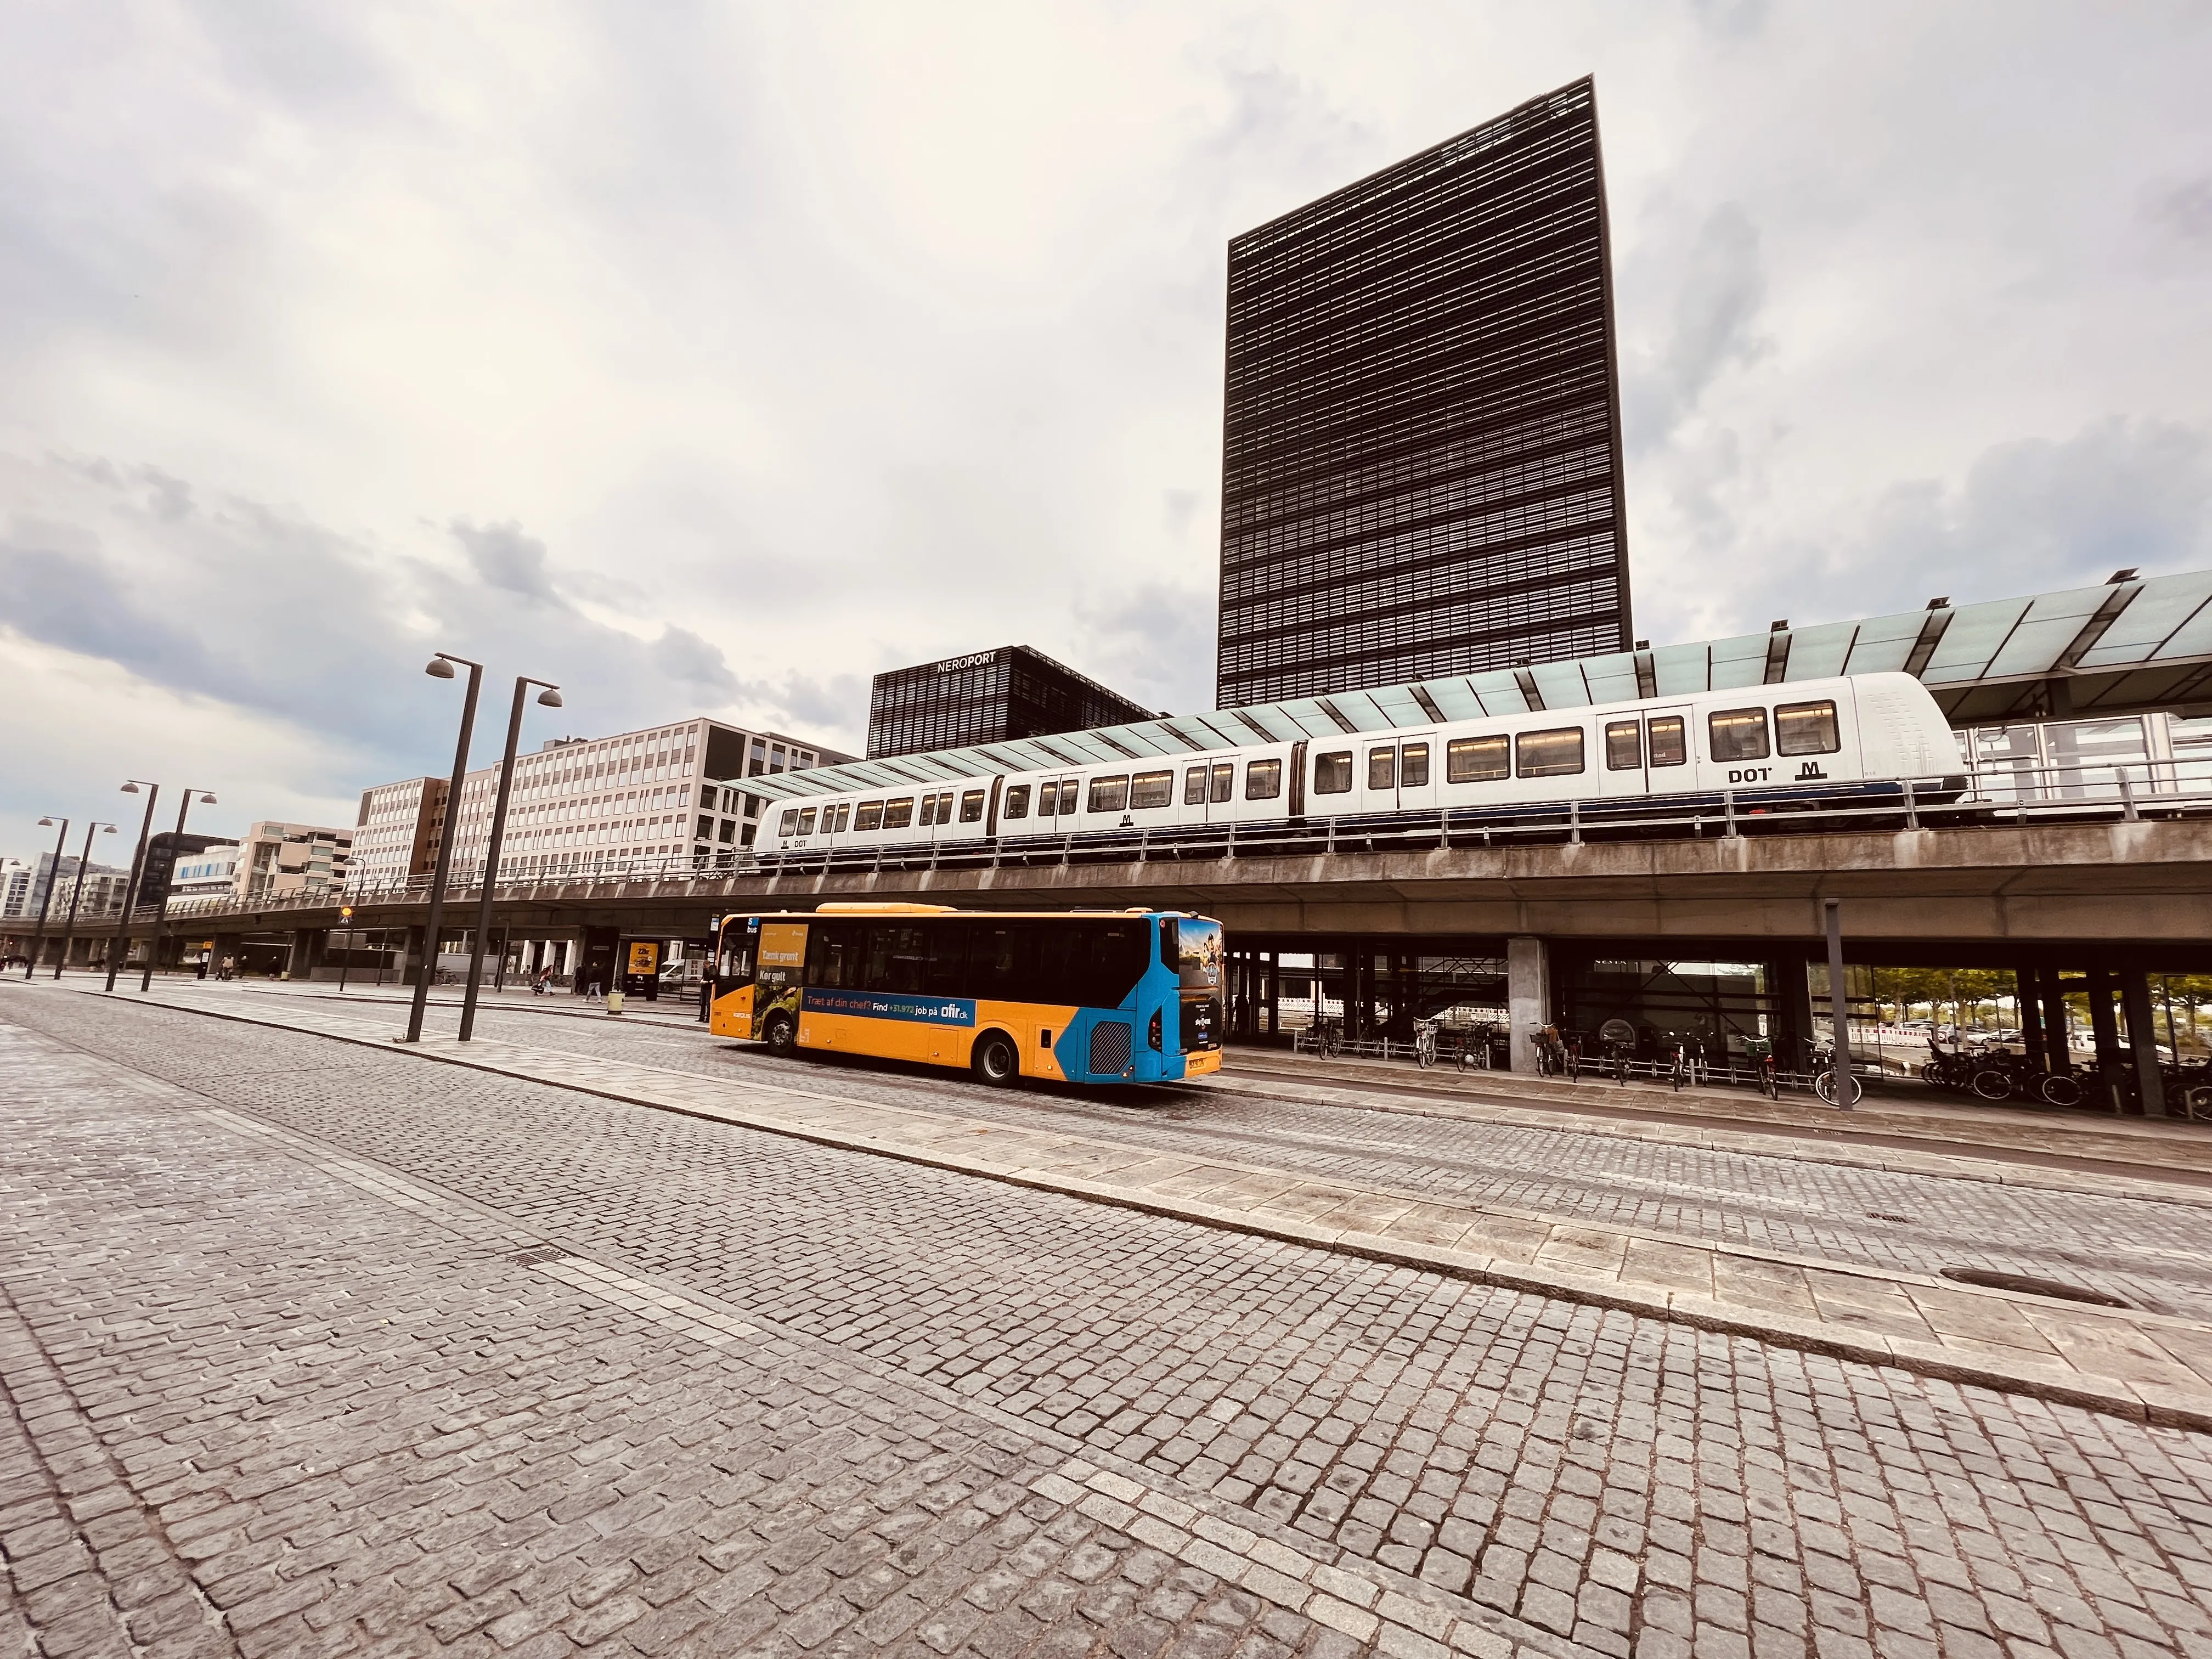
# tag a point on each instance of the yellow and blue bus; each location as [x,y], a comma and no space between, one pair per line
[1126,996]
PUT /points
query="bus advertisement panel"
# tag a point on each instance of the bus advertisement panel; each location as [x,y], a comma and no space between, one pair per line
[1125,997]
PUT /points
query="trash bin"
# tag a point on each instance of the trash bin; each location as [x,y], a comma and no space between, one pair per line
[614,1002]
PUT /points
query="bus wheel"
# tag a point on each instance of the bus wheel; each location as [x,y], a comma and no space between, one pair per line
[781,1034]
[996,1061]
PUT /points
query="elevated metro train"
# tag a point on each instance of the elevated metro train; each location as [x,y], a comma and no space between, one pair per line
[1831,742]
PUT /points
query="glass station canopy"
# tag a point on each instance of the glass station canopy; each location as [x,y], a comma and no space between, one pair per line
[2127,646]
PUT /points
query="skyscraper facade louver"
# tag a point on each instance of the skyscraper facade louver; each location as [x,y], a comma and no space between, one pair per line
[1422,469]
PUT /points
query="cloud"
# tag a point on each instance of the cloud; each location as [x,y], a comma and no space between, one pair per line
[1711,315]
[504,558]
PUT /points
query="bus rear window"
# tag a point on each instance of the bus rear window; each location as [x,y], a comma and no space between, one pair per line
[1478,760]
[1806,728]
[1018,802]
[1110,794]
[1553,754]
[1333,773]
[869,816]
[1263,780]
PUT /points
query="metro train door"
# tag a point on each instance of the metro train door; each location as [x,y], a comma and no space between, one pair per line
[1418,764]
[1644,754]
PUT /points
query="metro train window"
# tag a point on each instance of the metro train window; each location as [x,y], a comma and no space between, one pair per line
[788,822]
[1478,760]
[1149,789]
[897,814]
[869,816]
[1194,786]
[1552,754]
[1110,794]
[929,811]
[1624,745]
[971,807]
[1017,803]
[806,821]
[1225,782]
[1669,737]
[1413,766]
[1333,773]
[1383,768]
[945,807]
[1263,780]
[1738,734]
[844,818]
[1806,728]
[1067,788]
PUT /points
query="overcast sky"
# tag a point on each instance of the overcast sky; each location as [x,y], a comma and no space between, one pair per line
[709,359]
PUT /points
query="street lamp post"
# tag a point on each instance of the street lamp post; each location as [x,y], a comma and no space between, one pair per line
[441,667]
[38,933]
[345,962]
[76,891]
[161,911]
[120,947]
[551,698]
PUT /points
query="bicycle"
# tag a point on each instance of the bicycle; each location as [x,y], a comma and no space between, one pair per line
[1424,1043]
[1759,1051]
[1677,1068]
[1571,1059]
[1329,1039]
[1841,1093]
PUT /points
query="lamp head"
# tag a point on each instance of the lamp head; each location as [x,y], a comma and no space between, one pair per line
[107,829]
[549,697]
[207,800]
[439,669]
[45,823]
[129,788]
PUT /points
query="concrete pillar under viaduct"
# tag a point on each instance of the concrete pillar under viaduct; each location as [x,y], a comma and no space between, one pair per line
[2142,1040]
[1528,998]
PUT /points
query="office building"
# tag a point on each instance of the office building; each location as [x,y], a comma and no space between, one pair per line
[1421,454]
[276,858]
[212,873]
[23,885]
[164,852]
[987,696]
[578,803]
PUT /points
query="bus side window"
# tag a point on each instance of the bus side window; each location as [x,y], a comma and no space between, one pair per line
[1170,944]
[1224,782]
[895,960]
[1002,960]
[944,965]
[1263,780]
[1017,804]
[834,956]
[1194,786]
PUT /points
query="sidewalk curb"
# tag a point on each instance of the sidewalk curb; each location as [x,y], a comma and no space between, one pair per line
[2147,1402]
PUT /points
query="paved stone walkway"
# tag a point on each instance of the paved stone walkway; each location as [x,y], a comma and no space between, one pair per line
[268,1399]
[1635,1485]
[2138,1364]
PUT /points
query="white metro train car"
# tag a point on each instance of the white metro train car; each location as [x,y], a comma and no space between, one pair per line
[1769,746]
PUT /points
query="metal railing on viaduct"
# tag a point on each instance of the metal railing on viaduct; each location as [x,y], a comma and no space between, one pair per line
[2133,867]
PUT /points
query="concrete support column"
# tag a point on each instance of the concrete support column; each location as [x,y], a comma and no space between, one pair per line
[2107,1031]
[2142,1040]
[1528,998]
[307,953]
[1793,981]
[2028,997]
[410,956]
[1274,993]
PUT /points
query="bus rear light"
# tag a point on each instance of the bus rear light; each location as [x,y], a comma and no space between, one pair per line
[1152,1031]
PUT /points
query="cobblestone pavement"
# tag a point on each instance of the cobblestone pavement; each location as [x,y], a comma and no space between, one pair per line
[2147,1252]
[1635,1487]
[258,1407]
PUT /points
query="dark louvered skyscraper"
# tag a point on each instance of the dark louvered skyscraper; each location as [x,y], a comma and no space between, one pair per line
[1422,453]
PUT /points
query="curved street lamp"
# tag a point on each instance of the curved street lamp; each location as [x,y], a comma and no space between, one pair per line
[38,933]
[161,911]
[76,892]
[119,947]
[441,667]
[550,698]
